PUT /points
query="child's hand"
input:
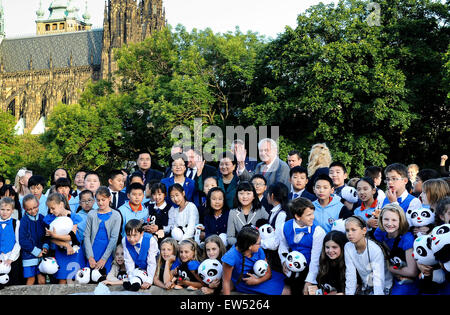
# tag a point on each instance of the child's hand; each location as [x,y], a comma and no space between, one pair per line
[100,264]
[160,233]
[145,285]
[92,262]
[251,279]
[70,250]
[49,233]
[426,270]
[372,222]
[153,228]
[214,284]
[206,290]
[169,285]
[171,259]
[444,158]
[391,195]
[8,262]
[44,251]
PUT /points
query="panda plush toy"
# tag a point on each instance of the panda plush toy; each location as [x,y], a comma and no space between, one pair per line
[88,275]
[349,194]
[223,237]
[260,268]
[177,233]
[4,277]
[48,266]
[424,255]
[420,217]
[440,245]
[135,281]
[295,263]
[338,225]
[268,238]
[210,270]
[63,226]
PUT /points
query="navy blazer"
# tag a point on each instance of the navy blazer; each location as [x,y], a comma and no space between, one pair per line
[305,194]
[122,198]
[151,174]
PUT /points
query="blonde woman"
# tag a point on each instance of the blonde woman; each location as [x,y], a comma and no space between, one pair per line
[434,190]
[21,182]
[319,161]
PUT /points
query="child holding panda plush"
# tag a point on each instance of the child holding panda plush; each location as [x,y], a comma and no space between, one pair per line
[393,231]
[186,265]
[140,250]
[238,265]
[303,235]
[214,249]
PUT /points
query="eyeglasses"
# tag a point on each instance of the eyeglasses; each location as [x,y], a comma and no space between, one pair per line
[259,184]
[393,179]
[87,201]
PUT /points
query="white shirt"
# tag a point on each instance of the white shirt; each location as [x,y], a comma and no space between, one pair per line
[151,258]
[191,172]
[373,274]
[415,203]
[15,252]
[188,219]
[279,223]
[319,234]
[112,196]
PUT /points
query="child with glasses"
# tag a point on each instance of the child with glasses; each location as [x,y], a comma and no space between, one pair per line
[87,201]
[396,193]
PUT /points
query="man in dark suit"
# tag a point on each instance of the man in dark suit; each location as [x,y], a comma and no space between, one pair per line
[299,179]
[271,167]
[198,170]
[144,162]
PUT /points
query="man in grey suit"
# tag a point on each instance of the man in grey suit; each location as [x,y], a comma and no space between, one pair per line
[271,167]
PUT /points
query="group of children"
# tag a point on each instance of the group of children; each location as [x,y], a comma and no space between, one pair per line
[164,231]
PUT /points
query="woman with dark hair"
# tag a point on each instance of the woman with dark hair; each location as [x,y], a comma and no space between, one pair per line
[247,211]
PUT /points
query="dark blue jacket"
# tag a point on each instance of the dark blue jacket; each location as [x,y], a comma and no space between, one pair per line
[31,238]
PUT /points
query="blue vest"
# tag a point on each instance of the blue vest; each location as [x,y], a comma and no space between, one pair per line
[7,236]
[140,260]
[404,204]
[305,244]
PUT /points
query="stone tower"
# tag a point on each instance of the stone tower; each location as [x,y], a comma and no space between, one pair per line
[128,21]
[2,22]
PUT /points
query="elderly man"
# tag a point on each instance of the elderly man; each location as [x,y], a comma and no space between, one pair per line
[271,167]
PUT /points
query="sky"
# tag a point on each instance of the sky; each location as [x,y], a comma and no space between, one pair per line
[261,16]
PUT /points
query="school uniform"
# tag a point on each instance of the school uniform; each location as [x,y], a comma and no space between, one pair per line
[81,227]
[186,270]
[67,263]
[397,256]
[233,258]
[118,198]
[277,218]
[42,206]
[32,242]
[338,190]
[10,248]
[101,235]
[306,240]
[149,175]
[142,255]
[158,215]
[188,186]
[302,193]
[215,225]
[406,201]
[265,203]
[364,212]
[128,213]
[186,219]
[325,216]
[74,203]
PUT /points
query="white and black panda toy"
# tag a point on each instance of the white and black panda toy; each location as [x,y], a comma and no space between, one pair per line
[48,266]
[420,217]
[177,233]
[295,262]
[88,275]
[260,268]
[424,255]
[349,194]
[63,226]
[197,232]
[210,270]
[338,225]
[268,237]
[135,281]
[440,244]
[4,274]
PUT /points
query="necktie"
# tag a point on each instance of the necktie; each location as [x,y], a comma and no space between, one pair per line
[300,230]
[295,196]
[399,200]
[138,245]
[114,201]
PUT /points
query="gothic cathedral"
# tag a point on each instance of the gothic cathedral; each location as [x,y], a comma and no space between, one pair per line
[38,72]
